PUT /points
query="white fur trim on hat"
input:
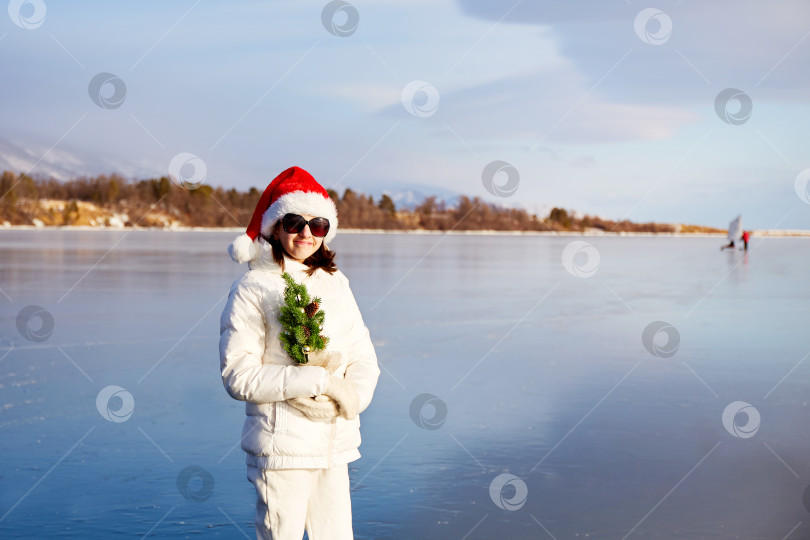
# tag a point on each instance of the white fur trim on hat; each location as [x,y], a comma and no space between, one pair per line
[243,249]
[301,202]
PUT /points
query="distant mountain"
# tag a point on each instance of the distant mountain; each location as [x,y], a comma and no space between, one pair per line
[409,196]
[405,195]
[63,163]
[30,159]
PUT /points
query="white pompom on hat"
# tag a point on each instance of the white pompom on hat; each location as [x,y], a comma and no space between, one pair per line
[294,191]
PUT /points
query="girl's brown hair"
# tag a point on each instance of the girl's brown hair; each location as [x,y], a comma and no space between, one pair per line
[323,257]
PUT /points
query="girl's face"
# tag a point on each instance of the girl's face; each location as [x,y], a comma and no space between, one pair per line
[299,246]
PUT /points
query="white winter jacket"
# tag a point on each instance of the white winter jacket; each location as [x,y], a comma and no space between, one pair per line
[256,369]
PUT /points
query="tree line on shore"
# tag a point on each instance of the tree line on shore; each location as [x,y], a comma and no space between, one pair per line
[160,201]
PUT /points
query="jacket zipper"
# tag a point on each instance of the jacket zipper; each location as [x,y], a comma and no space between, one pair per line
[331,440]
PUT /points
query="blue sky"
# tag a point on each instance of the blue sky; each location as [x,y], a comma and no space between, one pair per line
[600,106]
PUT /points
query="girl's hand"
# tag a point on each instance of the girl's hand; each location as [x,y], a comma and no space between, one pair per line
[320,408]
[329,360]
[344,394]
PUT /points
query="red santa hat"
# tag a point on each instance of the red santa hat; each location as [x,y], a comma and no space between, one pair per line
[294,191]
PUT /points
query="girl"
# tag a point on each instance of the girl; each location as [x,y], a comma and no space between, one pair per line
[302,427]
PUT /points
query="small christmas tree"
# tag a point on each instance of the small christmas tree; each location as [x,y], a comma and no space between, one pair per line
[302,322]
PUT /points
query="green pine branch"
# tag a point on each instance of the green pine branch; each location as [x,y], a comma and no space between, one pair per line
[301,331]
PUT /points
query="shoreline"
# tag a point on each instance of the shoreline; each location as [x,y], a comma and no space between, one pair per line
[764,233]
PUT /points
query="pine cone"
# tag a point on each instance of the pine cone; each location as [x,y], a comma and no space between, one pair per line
[307,332]
[311,309]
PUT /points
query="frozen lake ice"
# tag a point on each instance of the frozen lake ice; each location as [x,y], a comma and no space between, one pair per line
[531,387]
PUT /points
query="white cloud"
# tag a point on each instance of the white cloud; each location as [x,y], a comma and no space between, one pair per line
[757,46]
[552,106]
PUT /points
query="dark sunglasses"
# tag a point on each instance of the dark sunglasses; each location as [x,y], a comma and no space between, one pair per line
[294,224]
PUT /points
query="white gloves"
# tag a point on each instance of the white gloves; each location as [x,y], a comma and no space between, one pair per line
[339,398]
[317,408]
[344,394]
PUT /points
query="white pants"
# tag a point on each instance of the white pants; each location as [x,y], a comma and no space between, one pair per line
[290,500]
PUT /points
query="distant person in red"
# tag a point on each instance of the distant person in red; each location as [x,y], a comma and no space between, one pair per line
[745,236]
